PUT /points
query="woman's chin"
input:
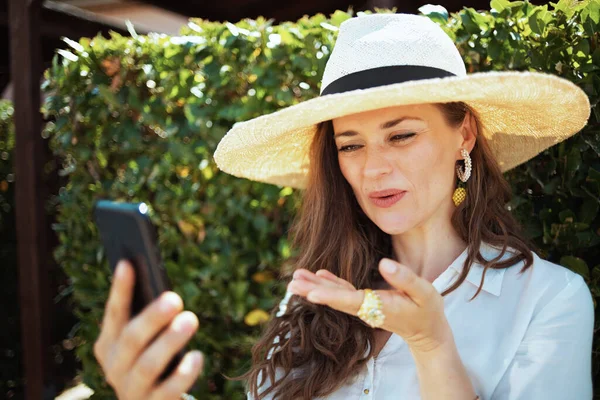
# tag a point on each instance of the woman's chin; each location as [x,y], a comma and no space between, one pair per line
[394,225]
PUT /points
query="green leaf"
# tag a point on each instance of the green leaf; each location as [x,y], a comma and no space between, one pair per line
[592,12]
[68,55]
[596,56]
[108,96]
[501,33]
[573,163]
[519,8]
[232,28]
[494,49]
[552,185]
[171,52]
[499,5]
[102,161]
[286,191]
[131,29]
[588,239]
[582,49]
[73,44]
[568,7]
[338,17]
[435,12]
[566,216]
[329,27]
[576,264]
[536,22]
[469,23]
[593,178]
[240,289]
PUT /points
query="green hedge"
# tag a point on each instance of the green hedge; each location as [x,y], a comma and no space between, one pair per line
[137,119]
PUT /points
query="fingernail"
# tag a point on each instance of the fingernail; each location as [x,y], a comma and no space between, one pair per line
[184,324]
[191,363]
[388,266]
[120,272]
[169,301]
[196,359]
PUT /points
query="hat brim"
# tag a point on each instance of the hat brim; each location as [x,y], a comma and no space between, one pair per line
[522,114]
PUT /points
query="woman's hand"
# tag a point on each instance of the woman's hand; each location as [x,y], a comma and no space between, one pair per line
[128,352]
[413,309]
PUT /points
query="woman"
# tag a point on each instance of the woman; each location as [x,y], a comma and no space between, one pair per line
[413,280]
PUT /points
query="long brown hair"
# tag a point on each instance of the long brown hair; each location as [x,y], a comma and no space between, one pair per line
[314,349]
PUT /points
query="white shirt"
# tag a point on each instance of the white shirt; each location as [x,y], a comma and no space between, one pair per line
[524,337]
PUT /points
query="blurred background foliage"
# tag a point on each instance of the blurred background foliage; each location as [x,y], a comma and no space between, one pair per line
[137,119]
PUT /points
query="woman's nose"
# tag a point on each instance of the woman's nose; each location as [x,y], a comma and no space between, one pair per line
[376,164]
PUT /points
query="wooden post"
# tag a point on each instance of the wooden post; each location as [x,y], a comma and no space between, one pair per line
[34,293]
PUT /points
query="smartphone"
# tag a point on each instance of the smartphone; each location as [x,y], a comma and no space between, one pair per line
[127,233]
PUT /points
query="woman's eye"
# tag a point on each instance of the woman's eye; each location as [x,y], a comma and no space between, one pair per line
[350,147]
[396,138]
[400,138]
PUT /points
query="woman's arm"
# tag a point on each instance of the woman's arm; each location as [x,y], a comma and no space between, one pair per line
[442,374]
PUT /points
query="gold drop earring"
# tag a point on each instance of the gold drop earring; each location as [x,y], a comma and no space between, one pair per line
[460,193]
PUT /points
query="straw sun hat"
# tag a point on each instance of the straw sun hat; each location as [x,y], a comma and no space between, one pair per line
[387,60]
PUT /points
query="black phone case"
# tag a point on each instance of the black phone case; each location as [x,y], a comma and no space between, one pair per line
[128,233]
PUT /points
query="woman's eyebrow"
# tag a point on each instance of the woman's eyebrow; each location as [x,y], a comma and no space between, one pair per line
[394,122]
[385,125]
[345,133]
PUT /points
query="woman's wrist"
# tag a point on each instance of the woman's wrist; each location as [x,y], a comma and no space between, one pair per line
[442,375]
[431,347]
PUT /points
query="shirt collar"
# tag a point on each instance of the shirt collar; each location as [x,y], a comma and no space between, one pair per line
[493,277]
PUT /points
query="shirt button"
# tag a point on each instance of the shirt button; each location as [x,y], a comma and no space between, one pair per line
[366,391]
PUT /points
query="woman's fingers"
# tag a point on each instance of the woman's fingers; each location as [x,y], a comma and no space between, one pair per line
[116,311]
[305,281]
[305,274]
[301,287]
[338,298]
[323,273]
[350,300]
[119,301]
[153,361]
[182,378]
[405,280]
[322,277]
[142,329]
[413,308]
[133,352]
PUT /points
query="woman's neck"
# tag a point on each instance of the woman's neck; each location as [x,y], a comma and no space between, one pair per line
[428,250]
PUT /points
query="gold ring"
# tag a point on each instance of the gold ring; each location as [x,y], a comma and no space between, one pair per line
[371,309]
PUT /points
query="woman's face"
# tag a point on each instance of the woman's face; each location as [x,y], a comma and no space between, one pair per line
[400,162]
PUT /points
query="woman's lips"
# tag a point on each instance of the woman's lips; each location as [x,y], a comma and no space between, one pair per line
[387,200]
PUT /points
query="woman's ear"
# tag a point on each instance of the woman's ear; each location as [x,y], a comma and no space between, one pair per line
[469,132]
